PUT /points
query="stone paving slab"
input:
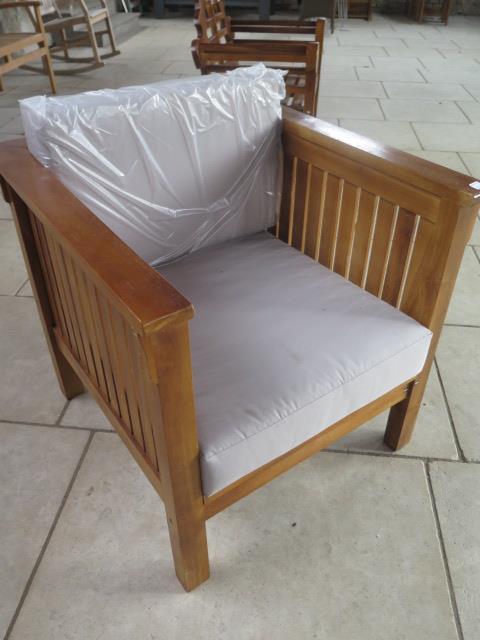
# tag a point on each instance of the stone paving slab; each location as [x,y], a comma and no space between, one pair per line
[457,495]
[36,465]
[448,137]
[396,134]
[12,272]
[465,303]
[28,387]
[458,360]
[326,551]
[85,413]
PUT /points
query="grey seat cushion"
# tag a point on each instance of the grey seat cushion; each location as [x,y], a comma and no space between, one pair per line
[282,348]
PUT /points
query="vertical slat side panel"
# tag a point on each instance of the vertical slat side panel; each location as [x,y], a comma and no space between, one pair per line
[300,204]
[329,220]
[398,256]
[105,360]
[344,232]
[408,259]
[364,229]
[282,225]
[385,221]
[313,219]
[293,192]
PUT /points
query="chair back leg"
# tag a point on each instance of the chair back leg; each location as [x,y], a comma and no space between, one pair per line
[111,35]
[93,43]
[48,69]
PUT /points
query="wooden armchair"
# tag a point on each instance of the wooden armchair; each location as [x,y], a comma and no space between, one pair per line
[16,48]
[370,218]
[216,49]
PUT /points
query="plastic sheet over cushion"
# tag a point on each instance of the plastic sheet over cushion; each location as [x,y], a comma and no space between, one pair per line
[169,167]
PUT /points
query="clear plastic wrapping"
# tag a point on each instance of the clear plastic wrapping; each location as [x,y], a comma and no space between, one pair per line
[169,167]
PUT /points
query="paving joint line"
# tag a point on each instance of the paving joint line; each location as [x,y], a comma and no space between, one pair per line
[62,413]
[396,456]
[416,135]
[443,552]
[47,539]
[464,326]
[456,439]
[470,121]
[27,423]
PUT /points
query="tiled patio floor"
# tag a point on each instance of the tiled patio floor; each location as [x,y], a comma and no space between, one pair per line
[385,546]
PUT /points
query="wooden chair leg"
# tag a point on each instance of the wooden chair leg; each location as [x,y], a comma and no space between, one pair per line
[48,68]
[178,453]
[111,35]
[188,539]
[93,44]
[1,83]
[402,416]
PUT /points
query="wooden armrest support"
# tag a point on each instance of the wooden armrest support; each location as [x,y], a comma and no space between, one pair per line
[140,294]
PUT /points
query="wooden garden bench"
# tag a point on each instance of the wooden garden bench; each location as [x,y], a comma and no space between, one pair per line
[300,334]
[217,49]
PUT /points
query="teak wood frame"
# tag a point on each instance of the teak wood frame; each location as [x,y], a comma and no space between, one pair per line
[216,49]
[389,222]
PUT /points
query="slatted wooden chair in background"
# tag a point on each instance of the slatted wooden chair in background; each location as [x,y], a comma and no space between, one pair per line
[217,49]
[73,25]
[16,48]
[329,9]
[418,10]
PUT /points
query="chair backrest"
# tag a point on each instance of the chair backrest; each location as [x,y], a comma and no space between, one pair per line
[170,167]
[211,22]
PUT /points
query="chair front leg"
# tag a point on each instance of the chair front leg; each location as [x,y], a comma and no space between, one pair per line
[178,452]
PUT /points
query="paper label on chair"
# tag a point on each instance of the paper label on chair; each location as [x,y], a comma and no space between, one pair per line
[475,185]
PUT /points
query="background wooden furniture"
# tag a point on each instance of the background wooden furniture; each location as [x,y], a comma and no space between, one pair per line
[315,8]
[418,9]
[78,29]
[217,49]
[329,9]
[391,223]
[16,48]
[262,6]
[360,9]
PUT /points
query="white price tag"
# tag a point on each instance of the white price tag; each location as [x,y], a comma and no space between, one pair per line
[475,185]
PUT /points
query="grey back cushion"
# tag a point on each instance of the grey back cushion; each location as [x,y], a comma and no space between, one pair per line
[170,167]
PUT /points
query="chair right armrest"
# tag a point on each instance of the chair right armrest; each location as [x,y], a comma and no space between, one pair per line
[390,222]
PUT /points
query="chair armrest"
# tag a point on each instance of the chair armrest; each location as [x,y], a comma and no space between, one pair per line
[390,222]
[145,299]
